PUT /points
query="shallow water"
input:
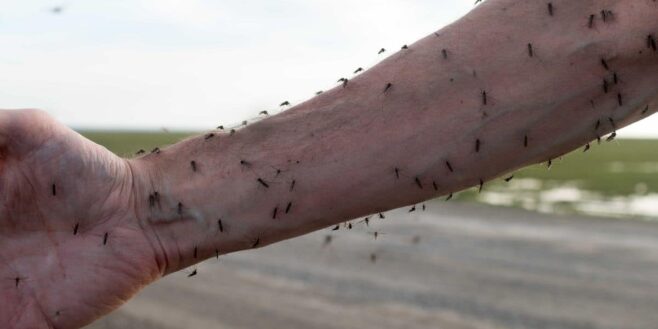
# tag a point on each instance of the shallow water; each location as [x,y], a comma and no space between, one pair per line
[572,197]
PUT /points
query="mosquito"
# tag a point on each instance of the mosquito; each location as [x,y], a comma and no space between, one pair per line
[377,234]
[262,182]
[418,183]
[327,240]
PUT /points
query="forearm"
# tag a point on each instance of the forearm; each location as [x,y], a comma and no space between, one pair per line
[515,86]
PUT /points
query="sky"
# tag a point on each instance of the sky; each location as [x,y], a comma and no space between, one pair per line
[196,64]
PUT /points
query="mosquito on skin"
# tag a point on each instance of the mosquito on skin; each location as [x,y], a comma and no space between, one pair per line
[449,165]
[262,182]
[418,183]
[550,9]
[590,24]
[531,51]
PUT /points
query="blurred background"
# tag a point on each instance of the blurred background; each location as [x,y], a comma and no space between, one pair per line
[573,246]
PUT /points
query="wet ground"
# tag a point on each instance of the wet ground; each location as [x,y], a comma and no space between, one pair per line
[455,266]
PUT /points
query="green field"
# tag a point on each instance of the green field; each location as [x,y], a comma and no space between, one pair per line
[617,179]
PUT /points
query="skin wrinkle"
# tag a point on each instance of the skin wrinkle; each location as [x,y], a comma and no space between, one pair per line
[148,230]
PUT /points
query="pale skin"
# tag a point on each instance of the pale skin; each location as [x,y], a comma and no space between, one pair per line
[82,230]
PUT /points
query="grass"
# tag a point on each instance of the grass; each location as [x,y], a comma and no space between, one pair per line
[617,169]
[611,169]
[125,144]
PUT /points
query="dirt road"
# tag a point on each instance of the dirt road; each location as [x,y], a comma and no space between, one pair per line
[453,266]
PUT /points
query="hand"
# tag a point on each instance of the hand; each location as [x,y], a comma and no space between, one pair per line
[71,249]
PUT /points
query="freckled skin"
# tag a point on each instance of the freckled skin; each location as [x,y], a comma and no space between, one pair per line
[349,152]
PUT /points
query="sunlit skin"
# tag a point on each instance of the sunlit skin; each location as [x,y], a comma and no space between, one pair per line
[423,123]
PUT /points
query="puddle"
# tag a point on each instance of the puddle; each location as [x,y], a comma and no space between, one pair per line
[571,198]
